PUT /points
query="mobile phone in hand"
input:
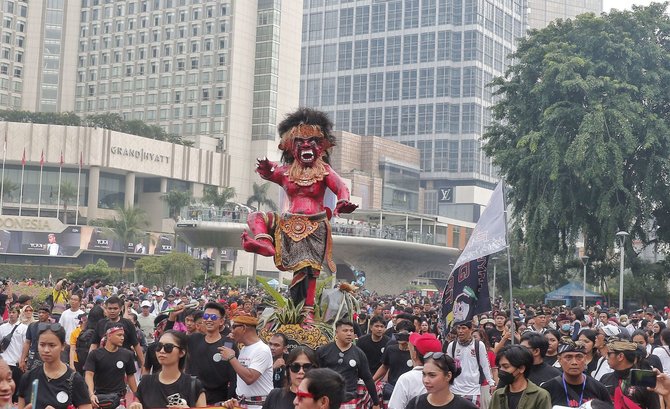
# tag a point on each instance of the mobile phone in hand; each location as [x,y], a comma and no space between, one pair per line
[643,377]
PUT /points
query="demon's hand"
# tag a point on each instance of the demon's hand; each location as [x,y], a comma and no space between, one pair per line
[264,168]
[345,206]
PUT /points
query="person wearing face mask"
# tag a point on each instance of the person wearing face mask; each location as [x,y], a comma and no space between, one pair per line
[563,325]
[515,391]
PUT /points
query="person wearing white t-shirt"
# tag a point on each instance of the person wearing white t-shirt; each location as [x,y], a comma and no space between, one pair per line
[253,366]
[69,319]
[12,354]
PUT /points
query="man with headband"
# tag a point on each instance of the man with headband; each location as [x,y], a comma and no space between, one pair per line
[622,357]
[573,387]
[107,368]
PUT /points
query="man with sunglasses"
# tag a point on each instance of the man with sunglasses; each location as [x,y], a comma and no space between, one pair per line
[349,361]
[573,388]
[205,361]
[253,366]
[109,368]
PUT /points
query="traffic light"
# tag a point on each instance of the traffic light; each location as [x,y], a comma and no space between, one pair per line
[206,264]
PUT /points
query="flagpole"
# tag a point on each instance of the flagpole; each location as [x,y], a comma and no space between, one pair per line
[2,188]
[60,172]
[39,195]
[76,216]
[509,263]
[23,169]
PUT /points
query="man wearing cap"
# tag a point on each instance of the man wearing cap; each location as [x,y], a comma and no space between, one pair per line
[410,384]
[563,325]
[110,367]
[254,365]
[603,334]
[622,357]
[540,325]
[30,358]
[573,388]
[146,320]
[159,305]
[473,358]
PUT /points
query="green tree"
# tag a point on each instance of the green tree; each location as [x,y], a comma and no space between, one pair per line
[176,200]
[581,133]
[127,227]
[260,197]
[98,271]
[68,194]
[212,195]
[174,268]
[9,187]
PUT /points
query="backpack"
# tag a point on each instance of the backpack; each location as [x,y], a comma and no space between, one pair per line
[84,341]
[482,378]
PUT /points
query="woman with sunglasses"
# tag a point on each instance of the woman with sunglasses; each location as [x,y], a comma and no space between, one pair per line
[439,372]
[27,316]
[170,387]
[299,362]
[59,387]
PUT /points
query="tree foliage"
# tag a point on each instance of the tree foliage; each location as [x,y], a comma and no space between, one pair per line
[68,194]
[581,134]
[260,197]
[176,200]
[212,195]
[174,268]
[111,121]
[128,226]
[98,271]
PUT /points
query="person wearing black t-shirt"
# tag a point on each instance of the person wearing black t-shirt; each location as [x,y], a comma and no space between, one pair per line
[537,345]
[396,359]
[299,362]
[107,368]
[621,357]
[573,388]
[59,386]
[374,344]
[439,372]
[495,334]
[278,343]
[349,361]
[170,387]
[206,362]
[130,342]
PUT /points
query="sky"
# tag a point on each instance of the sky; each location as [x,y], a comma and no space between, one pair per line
[623,4]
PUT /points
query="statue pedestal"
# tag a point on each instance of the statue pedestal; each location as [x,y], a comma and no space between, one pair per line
[299,335]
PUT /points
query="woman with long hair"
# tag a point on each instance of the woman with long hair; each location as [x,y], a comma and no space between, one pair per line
[439,372]
[299,362]
[656,329]
[588,338]
[170,387]
[59,386]
[551,356]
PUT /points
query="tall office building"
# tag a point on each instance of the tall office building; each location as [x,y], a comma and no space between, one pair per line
[415,71]
[542,12]
[212,71]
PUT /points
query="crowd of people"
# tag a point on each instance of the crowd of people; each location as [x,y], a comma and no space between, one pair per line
[93,345]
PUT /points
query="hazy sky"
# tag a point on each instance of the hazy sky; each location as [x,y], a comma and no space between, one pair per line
[623,4]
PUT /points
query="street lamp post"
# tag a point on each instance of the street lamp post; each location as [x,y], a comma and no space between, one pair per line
[495,264]
[622,241]
[585,260]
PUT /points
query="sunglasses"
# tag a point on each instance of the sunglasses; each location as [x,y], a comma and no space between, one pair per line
[300,395]
[212,317]
[167,347]
[296,367]
[434,355]
[43,326]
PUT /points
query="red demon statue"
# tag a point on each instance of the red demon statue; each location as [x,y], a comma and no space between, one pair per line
[300,240]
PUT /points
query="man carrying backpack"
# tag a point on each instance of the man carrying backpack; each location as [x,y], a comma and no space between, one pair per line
[473,359]
[80,343]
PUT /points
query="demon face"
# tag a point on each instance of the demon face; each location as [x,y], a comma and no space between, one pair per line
[307,150]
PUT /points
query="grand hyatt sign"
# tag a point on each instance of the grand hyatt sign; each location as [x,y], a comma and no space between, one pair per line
[25,223]
[140,154]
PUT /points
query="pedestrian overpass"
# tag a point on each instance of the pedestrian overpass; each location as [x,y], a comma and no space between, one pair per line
[392,248]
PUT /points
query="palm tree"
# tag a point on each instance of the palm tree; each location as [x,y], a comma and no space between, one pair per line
[212,196]
[260,197]
[68,192]
[176,201]
[8,187]
[128,227]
